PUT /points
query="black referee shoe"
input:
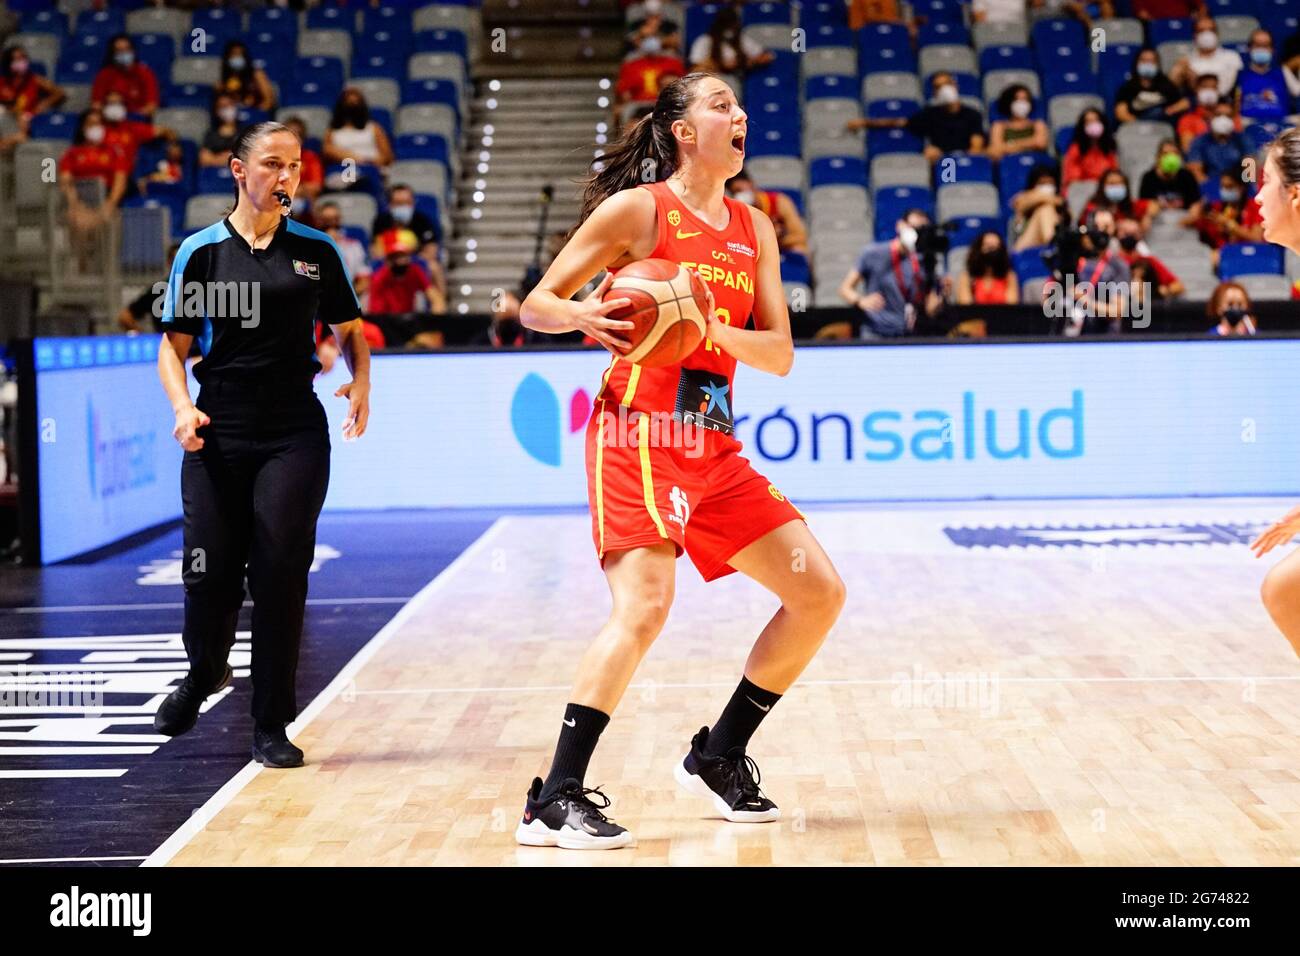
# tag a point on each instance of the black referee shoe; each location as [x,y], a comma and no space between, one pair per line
[570,820]
[730,783]
[271,747]
[180,710]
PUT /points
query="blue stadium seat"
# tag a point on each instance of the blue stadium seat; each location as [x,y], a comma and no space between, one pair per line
[422,146]
[280,21]
[774,141]
[1170,29]
[1058,32]
[1061,82]
[1029,264]
[80,46]
[383,66]
[822,87]
[969,228]
[325,71]
[332,18]
[214,179]
[75,70]
[875,37]
[1231,8]
[359,233]
[794,268]
[936,11]
[887,61]
[881,141]
[175,206]
[968,84]
[943,32]
[699,17]
[393,17]
[1006,57]
[441,41]
[311,93]
[1261,134]
[247,116]
[1249,258]
[1114,68]
[156,51]
[47,20]
[892,109]
[1281,20]
[837,171]
[381,43]
[828,34]
[824,11]
[103,23]
[767,12]
[428,204]
[966,169]
[1064,136]
[53,124]
[1013,172]
[431,91]
[891,202]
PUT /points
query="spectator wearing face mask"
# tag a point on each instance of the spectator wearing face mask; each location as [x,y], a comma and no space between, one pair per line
[1221,150]
[1113,195]
[1148,94]
[644,72]
[400,213]
[242,81]
[128,134]
[395,285]
[1196,122]
[724,49]
[947,125]
[1014,131]
[791,233]
[123,73]
[222,133]
[1264,90]
[988,278]
[1169,184]
[1230,310]
[89,157]
[1209,57]
[1144,266]
[1230,218]
[1092,151]
[329,220]
[893,277]
[23,92]
[653,25]
[353,135]
[1037,209]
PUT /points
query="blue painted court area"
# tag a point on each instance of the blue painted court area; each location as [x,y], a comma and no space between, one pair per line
[89,649]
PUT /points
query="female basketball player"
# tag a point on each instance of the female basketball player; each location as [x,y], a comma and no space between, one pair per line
[660,194]
[1279,206]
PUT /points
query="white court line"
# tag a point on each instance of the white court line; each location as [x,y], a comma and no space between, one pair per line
[173,605]
[43,774]
[72,859]
[923,677]
[217,802]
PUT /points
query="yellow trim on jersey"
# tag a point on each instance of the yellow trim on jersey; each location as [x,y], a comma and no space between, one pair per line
[600,483]
[647,481]
[633,377]
[604,381]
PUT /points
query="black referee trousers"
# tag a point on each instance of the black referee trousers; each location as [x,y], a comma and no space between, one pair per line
[251,498]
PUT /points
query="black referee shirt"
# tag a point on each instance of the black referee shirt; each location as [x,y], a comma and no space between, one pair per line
[254,311]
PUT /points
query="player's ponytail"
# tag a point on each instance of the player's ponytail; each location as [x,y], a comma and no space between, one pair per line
[1285,151]
[647,150]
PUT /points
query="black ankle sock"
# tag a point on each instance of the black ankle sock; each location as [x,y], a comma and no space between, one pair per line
[582,728]
[740,718]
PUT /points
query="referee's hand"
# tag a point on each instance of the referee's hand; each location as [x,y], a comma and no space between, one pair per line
[358,396]
[188,422]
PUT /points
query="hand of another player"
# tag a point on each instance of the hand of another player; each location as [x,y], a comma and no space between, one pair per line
[1279,532]
[188,422]
[358,396]
[592,317]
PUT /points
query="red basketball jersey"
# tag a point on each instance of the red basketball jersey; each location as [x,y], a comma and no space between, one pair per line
[727,261]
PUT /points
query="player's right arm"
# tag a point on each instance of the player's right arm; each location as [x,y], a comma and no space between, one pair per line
[618,229]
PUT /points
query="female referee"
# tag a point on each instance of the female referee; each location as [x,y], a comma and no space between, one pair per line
[1279,207]
[257,446]
[649,504]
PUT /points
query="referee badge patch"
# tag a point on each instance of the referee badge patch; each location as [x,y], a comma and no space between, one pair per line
[309,269]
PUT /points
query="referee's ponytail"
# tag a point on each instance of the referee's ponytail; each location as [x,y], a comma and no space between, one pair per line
[647,150]
[249,137]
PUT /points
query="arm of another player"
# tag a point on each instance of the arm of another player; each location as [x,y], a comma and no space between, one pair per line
[609,232]
[769,346]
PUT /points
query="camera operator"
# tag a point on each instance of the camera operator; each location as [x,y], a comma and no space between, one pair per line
[1094,280]
[898,277]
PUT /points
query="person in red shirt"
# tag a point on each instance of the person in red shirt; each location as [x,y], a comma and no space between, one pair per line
[23,92]
[394,285]
[89,157]
[642,76]
[125,133]
[1142,264]
[1092,150]
[791,233]
[1113,194]
[1196,122]
[1223,220]
[1165,9]
[123,73]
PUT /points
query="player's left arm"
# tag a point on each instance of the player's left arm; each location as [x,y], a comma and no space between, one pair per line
[341,311]
[768,346]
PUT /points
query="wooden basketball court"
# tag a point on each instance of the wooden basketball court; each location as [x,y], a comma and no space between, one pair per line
[1102,689]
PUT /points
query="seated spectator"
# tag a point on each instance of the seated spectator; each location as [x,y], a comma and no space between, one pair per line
[126,133]
[24,92]
[123,73]
[653,34]
[1169,184]
[791,233]
[723,49]
[1230,310]
[395,285]
[1223,220]
[400,213]
[988,278]
[1143,265]
[947,125]
[311,174]
[1165,9]
[329,220]
[506,331]
[141,307]
[1197,121]
[1019,133]
[89,157]
[1092,150]
[998,11]
[864,12]
[1208,58]
[1264,90]
[222,132]
[170,169]
[1148,94]
[1075,9]
[353,135]
[1113,194]
[1100,266]
[895,282]
[242,81]
[642,75]
[1038,209]
[1221,149]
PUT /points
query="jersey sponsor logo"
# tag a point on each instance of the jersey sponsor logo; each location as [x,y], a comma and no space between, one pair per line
[1105,535]
[688,235]
[309,269]
[741,248]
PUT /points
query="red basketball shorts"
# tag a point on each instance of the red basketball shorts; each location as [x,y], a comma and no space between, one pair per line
[650,480]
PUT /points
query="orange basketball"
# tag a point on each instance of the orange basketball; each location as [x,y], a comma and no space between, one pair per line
[668,306]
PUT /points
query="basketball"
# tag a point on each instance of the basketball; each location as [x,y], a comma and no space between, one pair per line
[668,305]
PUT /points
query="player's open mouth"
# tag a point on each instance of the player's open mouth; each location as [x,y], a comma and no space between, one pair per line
[738,143]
